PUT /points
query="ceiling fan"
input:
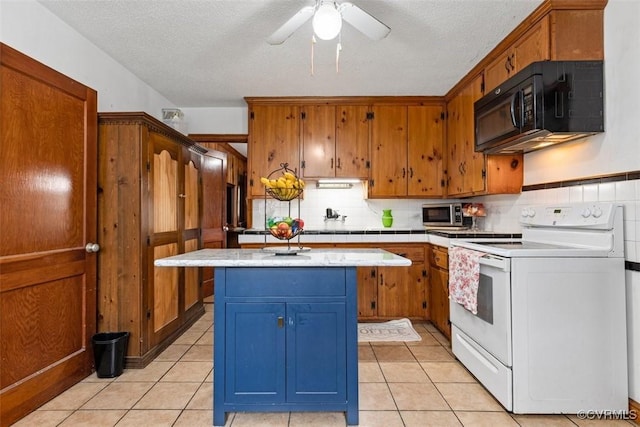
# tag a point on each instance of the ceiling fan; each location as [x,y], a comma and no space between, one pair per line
[327,22]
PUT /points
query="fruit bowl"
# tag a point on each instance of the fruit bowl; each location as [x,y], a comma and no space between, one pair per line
[284,194]
[285,228]
[283,235]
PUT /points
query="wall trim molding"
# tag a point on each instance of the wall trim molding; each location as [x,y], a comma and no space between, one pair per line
[599,179]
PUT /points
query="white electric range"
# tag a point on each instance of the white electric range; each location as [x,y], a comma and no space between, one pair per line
[549,335]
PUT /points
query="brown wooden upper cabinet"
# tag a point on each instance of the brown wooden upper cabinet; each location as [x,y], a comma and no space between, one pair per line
[274,138]
[407,147]
[567,33]
[469,172]
[335,141]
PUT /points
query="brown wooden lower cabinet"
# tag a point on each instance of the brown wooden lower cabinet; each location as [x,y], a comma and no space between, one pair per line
[388,292]
[439,289]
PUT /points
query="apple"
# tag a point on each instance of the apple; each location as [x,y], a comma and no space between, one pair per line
[300,223]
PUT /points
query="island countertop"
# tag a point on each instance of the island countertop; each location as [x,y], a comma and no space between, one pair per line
[266,258]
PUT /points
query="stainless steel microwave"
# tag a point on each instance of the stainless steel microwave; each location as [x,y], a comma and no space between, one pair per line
[442,215]
[546,103]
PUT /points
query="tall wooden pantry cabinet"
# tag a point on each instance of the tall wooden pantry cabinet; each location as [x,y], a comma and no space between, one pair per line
[149,207]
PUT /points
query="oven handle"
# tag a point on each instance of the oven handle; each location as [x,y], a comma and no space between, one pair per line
[494,261]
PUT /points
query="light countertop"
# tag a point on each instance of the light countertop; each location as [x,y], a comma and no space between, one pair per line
[267,258]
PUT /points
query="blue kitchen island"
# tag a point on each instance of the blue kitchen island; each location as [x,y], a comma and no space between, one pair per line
[285,327]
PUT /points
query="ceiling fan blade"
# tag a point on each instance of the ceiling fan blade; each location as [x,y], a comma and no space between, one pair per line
[363,22]
[289,27]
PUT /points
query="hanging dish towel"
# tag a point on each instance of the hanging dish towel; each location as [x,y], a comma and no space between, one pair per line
[464,276]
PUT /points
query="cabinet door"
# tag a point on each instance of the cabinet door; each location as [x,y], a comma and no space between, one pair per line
[165,238]
[274,135]
[319,141]
[352,141]
[533,46]
[316,345]
[466,167]
[255,353]
[425,149]
[439,300]
[499,70]
[402,290]
[388,152]
[191,198]
[367,292]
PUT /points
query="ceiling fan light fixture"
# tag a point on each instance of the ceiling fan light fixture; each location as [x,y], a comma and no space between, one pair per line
[327,21]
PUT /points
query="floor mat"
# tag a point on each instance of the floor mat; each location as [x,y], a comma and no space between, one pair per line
[393,330]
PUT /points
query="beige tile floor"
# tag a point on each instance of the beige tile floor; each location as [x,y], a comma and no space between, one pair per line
[401,384]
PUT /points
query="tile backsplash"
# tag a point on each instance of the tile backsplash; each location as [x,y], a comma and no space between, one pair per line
[503,211]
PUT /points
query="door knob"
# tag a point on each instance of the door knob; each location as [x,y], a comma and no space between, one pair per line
[92,247]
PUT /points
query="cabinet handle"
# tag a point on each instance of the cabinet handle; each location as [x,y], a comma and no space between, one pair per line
[338,164]
[332,163]
[404,172]
[182,196]
[280,322]
[410,172]
[381,280]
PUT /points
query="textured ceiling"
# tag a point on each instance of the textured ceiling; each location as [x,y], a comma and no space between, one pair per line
[213,53]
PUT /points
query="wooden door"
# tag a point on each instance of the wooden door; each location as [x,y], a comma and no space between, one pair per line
[319,141]
[274,135]
[352,141]
[213,209]
[425,143]
[48,171]
[388,151]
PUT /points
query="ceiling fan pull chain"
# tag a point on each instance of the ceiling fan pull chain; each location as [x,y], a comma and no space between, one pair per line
[313,43]
[338,49]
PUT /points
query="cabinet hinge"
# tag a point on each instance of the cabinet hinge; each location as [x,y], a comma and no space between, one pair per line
[367,164]
[371,182]
[424,304]
[482,85]
[484,173]
[148,166]
[148,314]
[373,272]
[303,115]
[370,115]
[424,273]
[252,115]
[442,116]
[250,182]
[442,183]
[373,305]
[148,241]
[303,164]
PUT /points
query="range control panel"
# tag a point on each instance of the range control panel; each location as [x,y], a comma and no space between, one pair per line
[592,215]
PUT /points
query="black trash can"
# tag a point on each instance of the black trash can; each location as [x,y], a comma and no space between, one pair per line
[109,349]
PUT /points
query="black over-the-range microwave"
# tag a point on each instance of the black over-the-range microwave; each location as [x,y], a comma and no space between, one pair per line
[546,103]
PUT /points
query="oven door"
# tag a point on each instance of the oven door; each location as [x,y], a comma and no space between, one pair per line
[482,342]
[491,326]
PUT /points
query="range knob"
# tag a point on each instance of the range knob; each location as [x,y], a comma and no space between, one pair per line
[586,213]
[597,212]
[528,212]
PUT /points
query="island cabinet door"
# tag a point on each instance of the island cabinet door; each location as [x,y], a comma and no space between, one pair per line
[255,353]
[316,345]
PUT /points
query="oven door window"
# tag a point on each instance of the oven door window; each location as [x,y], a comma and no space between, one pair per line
[485,299]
